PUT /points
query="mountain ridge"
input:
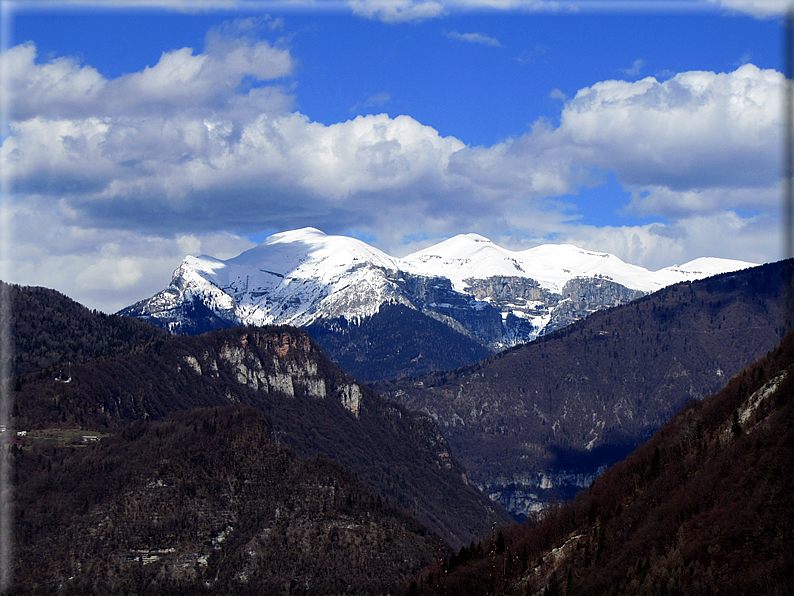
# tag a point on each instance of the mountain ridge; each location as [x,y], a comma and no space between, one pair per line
[313,406]
[703,507]
[537,422]
[483,292]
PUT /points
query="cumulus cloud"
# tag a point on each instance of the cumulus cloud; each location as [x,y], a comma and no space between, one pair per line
[180,81]
[696,130]
[655,200]
[117,179]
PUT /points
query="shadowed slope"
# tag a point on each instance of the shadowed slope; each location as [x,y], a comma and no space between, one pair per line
[704,507]
[537,422]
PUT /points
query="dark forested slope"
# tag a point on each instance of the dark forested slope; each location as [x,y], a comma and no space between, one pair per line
[706,506]
[46,330]
[314,407]
[537,422]
[203,502]
[395,342]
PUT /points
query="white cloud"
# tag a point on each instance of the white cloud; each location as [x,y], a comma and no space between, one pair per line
[478,38]
[396,11]
[60,86]
[373,101]
[179,82]
[757,8]
[654,200]
[635,69]
[696,130]
[378,99]
[654,246]
[102,270]
[119,179]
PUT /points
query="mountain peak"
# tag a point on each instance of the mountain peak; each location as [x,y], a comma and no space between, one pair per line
[302,276]
[300,235]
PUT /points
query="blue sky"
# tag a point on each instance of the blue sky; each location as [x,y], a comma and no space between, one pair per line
[140,134]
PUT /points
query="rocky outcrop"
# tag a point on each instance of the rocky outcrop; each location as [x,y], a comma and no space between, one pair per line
[313,406]
[529,310]
[435,297]
[583,296]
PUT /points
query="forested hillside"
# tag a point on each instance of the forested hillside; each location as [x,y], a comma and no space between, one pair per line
[314,407]
[203,502]
[395,342]
[537,422]
[239,460]
[706,506]
[47,330]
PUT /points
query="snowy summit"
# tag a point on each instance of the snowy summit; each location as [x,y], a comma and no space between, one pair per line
[303,276]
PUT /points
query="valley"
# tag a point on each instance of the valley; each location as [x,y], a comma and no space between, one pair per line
[703,507]
[221,457]
[538,422]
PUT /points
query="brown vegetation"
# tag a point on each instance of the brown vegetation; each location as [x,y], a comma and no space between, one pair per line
[47,330]
[203,502]
[395,342]
[706,506]
[314,407]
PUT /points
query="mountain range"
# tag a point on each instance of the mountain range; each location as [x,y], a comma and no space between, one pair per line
[341,289]
[244,461]
[538,422]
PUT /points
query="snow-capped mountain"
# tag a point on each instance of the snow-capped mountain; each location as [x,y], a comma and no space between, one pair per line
[497,296]
[471,256]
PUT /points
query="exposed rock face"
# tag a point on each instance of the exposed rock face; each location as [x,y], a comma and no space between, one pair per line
[531,494]
[279,374]
[497,312]
[506,292]
[470,315]
[529,310]
[351,399]
[583,296]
